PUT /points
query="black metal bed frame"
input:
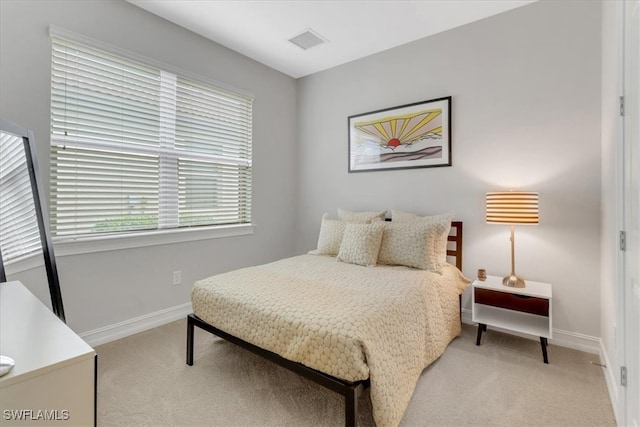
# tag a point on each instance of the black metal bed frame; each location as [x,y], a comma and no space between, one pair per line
[350,390]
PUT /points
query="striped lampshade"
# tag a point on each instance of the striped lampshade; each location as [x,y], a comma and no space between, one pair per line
[512,207]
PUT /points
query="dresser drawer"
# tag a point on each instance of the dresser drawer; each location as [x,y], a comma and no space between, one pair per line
[522,303]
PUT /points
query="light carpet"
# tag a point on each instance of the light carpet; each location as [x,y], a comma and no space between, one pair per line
[143,380]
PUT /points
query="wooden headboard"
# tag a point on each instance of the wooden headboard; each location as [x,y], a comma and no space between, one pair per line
[455,236]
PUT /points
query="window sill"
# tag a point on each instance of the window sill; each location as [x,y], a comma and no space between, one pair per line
[85,245]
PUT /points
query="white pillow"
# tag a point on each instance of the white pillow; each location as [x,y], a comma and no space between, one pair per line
[330,237]
[442,224]
[365,217]
[409,244]
[361,243]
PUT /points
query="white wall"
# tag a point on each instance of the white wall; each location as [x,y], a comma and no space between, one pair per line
[610,185]
[101,289]
[526,115]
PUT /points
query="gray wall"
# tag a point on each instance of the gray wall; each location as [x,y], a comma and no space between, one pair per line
[526,115]
[105,288]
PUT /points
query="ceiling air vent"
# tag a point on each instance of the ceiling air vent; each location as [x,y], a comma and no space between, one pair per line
[307,39]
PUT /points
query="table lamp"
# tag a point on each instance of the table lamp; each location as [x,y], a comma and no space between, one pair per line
[512,207]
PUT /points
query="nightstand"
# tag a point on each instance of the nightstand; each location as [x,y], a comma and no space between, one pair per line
[526,310]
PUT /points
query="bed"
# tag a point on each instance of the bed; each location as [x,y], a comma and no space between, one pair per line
[340,324]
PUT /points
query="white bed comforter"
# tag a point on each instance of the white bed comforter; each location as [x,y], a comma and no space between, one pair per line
[382,323]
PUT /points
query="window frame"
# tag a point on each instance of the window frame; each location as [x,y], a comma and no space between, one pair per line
[71,245]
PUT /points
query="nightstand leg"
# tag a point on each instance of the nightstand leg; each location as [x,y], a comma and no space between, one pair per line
[481,328]
[544,344]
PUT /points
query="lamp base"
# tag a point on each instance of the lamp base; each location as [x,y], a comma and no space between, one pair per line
[513,281]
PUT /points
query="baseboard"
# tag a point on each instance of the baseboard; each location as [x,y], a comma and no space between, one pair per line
[576,341]
[116,331]
[610,379]
[562,338]
[133,326]
[466,316]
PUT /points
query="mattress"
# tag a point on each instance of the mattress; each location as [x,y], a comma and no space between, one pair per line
[383,323]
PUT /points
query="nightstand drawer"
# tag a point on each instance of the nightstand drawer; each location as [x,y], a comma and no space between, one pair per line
[522,303]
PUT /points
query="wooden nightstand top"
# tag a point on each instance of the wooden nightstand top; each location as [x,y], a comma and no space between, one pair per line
[533,289]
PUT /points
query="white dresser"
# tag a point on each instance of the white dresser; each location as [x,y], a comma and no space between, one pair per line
[53,382]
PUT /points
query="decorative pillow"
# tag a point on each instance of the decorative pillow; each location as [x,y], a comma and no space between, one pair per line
[442,223]
[361,217]
[410,244]
[361,243]
[331,231]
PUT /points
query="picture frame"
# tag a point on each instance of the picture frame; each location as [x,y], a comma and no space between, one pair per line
[416,135]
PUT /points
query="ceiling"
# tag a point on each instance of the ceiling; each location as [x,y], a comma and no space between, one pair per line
[260,29]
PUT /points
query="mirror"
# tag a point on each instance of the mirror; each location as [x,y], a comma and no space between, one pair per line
[26,248]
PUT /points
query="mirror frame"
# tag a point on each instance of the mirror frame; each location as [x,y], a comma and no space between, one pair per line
[41,214]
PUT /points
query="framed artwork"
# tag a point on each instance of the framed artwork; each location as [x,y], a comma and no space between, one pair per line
[415,135]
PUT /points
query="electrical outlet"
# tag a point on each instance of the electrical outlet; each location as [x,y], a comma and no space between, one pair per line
[177,277]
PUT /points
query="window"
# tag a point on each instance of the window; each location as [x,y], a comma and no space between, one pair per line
[135,147]
[19,233]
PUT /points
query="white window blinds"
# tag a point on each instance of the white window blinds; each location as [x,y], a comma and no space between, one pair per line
[19,233]
[134,147]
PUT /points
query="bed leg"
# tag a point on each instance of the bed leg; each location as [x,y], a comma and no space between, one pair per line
[351,407]
[190,328]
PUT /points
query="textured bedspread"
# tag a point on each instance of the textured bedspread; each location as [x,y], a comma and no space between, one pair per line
[351,322]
